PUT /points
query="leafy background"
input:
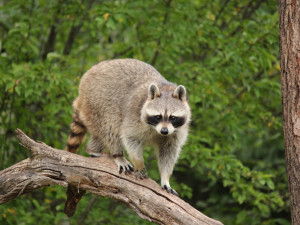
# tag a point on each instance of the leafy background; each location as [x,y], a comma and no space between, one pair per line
[226,54]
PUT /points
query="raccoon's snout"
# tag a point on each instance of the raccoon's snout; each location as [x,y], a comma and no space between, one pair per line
[164,131]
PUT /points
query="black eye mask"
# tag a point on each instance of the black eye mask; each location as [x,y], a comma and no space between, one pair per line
[154,120]
[177,121]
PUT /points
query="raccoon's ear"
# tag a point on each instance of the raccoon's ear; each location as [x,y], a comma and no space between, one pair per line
[180,93]
[153,91]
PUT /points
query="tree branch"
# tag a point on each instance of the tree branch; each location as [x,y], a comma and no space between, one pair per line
[75,29]
[166,15]
[47,166]
[255,78]
[248,11]
[50,44]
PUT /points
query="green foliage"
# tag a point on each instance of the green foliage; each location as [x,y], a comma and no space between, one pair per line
[225,53]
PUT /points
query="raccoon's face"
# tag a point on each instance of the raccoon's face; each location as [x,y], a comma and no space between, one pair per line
[166,110]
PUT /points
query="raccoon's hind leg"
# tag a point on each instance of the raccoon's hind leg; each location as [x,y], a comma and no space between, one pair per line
[94,146]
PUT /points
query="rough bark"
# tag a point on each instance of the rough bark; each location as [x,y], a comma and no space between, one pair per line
[49,166]
[289,37]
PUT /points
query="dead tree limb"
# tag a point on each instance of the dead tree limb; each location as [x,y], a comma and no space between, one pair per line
[48,166]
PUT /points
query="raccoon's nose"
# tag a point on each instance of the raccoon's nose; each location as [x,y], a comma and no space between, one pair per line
[164,131]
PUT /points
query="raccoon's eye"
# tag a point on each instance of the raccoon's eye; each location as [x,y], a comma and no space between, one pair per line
[154,120]
[158,117]
[173,118]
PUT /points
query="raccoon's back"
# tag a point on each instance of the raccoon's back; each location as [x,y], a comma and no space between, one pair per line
[108,89]
[115,78]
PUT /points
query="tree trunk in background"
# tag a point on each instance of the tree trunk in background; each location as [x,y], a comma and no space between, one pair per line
[289,42]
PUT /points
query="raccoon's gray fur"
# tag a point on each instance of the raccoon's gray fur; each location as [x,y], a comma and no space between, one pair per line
[127,103]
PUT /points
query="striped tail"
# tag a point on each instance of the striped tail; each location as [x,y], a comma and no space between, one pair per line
[77,134]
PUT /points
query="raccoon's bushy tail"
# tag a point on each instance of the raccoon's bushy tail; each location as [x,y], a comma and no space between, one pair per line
[77,134]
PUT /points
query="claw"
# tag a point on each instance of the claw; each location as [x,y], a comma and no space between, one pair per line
[123,165]
[167,189]
[126,170]
[164,187]
[170,190]
[174,192]
[131,168]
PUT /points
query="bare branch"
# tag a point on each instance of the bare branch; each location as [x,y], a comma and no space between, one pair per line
[47,166]
[166,15]
[74,31]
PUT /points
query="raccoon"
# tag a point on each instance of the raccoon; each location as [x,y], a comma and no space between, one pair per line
[126,103]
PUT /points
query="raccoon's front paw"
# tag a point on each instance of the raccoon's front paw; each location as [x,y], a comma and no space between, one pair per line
[141,174]
[170,190]
[123,165]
